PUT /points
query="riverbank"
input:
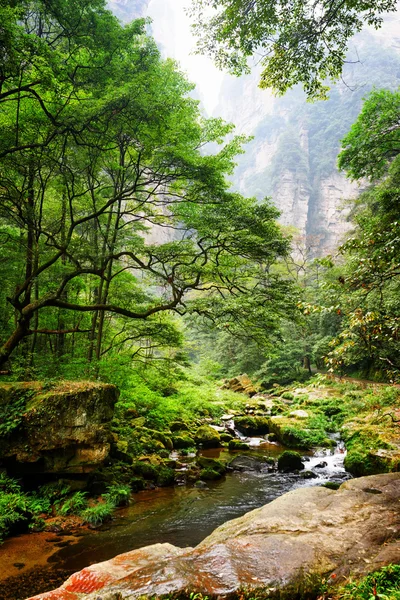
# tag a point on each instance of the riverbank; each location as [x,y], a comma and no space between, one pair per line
[285,549]
[301,417]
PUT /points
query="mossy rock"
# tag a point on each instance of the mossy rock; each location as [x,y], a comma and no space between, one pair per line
[290,461]
[145,470]
[211,463]
[159,436]
[165,476]
[252,425]
[287,396]
[296,433]
[179,425]
[119,451]
[138,423]
[137,484]
[238,445]
[226,437]
[360,461]
[207,437]
[151,445]
[181,442]
[209,474]
[332,485]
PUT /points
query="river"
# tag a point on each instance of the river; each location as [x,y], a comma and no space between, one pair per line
[181,515]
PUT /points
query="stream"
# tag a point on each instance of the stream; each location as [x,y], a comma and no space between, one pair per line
[181,515]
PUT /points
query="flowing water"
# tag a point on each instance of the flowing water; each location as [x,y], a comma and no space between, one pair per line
[185,515]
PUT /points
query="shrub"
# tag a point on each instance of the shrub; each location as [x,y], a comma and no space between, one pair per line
[98,514]
[74,505]
[118,495]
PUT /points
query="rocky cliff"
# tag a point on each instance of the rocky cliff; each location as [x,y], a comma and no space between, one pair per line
[292,157]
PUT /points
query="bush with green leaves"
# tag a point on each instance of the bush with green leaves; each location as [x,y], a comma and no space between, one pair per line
[74,505]
[380,585]
[118,495]
[98,514]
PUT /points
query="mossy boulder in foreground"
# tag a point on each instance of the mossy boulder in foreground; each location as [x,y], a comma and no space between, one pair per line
[304,536]
[62,430]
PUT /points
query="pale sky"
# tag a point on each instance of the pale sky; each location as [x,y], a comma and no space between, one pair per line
[171,27]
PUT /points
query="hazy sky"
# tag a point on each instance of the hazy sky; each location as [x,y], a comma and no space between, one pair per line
[171,27]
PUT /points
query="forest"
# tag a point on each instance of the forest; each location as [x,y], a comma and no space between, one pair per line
[152,314]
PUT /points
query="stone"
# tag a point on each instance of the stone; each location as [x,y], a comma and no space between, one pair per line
[226,417]
[179,425]
[201,485]
[299,414]
[207,437]
[183,441]
[238,445]
[310,531]
[252,425]
[247,463]
[211,463]
[290,461]
[241,384]
[139,422]
[64,430]
[308,475]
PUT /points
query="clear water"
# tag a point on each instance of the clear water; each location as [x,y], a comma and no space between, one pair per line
[185,515]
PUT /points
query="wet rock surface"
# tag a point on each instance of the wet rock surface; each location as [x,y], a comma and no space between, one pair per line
[313,530]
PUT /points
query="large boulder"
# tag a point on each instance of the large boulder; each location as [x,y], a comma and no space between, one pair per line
[64,430]
[207,437]
[287,545]
[290,461]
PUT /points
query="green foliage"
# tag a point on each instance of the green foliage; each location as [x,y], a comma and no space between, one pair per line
[74,505]
[12,411]
[54,491]
[86,282]
[297,43]
[98,514]
[118,495]
[374,139]
[380,585]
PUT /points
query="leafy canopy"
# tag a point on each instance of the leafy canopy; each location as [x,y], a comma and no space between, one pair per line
[294,40]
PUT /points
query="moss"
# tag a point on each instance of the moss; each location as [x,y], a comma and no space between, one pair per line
[145,470]
[209,474]
[331,485]
[165,476]
[181,442]
[238,445]
[207,437]
[211,463]
[290,461]
[252,425]
[296,433]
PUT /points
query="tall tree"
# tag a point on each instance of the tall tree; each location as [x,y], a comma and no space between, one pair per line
[132,154]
